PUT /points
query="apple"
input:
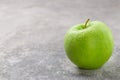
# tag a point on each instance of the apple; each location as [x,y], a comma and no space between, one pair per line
[89,45]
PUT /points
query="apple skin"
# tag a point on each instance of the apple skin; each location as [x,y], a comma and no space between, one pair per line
[90,47]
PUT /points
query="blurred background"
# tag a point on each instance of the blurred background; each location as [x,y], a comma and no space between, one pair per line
[32,34]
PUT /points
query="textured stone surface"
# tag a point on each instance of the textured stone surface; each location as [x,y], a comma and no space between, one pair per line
[32,33]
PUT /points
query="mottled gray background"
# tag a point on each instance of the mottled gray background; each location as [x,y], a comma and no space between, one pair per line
[32,33]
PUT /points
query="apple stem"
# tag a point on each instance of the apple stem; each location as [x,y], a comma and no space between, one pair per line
[86,23]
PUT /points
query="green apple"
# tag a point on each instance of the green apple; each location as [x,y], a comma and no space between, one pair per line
[89,45]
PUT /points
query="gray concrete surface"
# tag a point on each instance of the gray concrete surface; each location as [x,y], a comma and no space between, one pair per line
[32,33]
